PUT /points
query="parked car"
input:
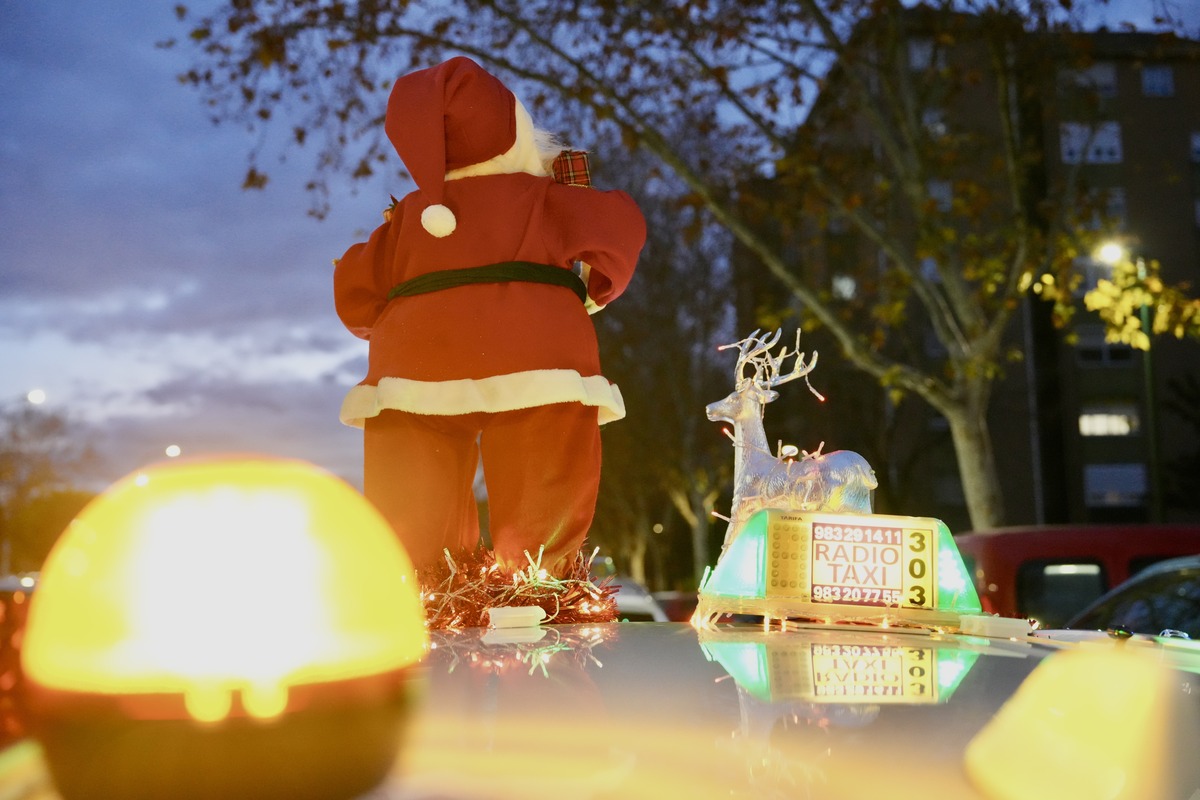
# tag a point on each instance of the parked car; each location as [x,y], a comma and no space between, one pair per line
[1049,572]
[15,592]
[635,603]
[678,605]
[1163,598]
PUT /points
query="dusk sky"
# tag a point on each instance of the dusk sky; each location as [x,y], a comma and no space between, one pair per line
[151,298]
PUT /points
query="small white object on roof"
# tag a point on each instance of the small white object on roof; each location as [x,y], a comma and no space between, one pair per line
[994,626]
[515,616]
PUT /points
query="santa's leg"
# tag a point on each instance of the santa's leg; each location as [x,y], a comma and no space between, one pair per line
[542,468]
[418,472]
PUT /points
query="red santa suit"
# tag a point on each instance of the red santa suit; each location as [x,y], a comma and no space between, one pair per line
[485,348]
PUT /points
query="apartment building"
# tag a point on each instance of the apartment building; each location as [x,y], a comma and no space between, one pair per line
[1083,430]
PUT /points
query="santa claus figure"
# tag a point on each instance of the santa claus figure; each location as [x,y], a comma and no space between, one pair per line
[475,296]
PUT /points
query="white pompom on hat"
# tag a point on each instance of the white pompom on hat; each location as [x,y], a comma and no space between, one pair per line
[443,118]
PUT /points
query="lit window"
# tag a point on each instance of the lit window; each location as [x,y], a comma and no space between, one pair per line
[1072,569]
[1196,147]
[1090,144]
[1114,485]
[844,287]
[1108,419]
[1158,80]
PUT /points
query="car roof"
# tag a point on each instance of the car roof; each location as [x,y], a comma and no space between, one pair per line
[657,710]
[653,710]
[1086,533]
[1114,544]
[1169,565]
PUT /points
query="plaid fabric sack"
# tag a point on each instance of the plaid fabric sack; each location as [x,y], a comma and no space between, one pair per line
[571,167]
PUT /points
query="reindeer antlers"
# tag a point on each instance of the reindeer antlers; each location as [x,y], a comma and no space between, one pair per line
[751,351]
[756,352]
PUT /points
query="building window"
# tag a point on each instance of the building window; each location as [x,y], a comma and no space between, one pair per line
[1108,419]
[934,122]
[923,54]
[935,348]
[1196,147]
[1114,485]
[1092,271]
[844,287]
[1158,80]
[1090,144]
[948,491]
[1099,78]
[1108,209]
[941,193]
[1092,350]
[1198,212]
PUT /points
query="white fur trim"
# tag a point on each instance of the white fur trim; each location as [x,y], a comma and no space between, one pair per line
[523,156]
[498,393]
[438,220]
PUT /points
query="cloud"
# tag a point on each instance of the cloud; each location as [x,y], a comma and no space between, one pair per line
[211,417]
[151,296]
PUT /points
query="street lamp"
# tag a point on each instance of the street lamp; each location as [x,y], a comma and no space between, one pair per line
[1114,253]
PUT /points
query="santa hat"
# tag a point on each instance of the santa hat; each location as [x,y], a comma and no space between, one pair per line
[446,117]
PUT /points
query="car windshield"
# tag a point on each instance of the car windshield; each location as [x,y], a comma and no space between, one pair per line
[1167,601]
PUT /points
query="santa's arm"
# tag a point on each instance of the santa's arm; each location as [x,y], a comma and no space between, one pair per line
[362,278]
[604,230]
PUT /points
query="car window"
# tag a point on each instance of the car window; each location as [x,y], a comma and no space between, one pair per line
[1052,591]
[1139,563]
[1162,602]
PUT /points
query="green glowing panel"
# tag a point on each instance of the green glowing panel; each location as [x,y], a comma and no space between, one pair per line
[746,663]
[739,573]
[956,590]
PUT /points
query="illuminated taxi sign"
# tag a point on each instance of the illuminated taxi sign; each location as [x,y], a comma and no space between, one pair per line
[862,567]
[866,669]
[877,674]
[850,563]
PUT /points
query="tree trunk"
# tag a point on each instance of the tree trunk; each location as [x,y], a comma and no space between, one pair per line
[636,553]
[976,459]
[696,507]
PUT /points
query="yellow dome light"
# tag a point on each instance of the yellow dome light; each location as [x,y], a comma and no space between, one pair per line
[218,592]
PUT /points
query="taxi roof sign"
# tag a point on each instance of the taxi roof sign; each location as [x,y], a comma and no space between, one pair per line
[867,568]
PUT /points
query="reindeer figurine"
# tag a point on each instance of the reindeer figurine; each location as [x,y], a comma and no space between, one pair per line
[840,481]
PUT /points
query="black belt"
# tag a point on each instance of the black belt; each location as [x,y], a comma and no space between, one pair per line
[492,273]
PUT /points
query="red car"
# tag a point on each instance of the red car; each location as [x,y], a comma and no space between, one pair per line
[1050,572]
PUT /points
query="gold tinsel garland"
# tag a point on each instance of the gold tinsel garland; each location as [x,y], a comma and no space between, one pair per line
[458,592]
